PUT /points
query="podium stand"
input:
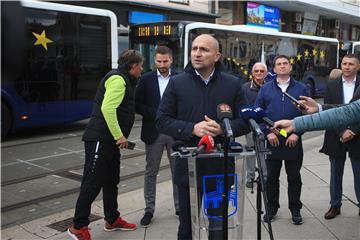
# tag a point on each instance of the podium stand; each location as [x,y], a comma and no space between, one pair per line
[206,182]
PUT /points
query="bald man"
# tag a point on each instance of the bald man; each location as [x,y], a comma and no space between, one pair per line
[187,112]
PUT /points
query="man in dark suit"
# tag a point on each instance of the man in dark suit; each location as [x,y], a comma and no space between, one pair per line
[148,96]
[338,143]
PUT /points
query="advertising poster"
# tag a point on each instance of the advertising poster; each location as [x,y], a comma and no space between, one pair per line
[261,15]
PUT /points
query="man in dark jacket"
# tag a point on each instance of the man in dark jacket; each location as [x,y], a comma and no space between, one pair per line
[337,143]
[148,94]
[251,90]
[271,98]
[188,111]
[110,124]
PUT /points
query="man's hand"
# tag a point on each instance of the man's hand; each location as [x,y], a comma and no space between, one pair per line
[122,142]
[291,140]
[273,139]
[311,106]
[347,136]
[207,127]
[287,125]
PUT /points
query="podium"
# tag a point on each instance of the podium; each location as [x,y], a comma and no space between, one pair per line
[206,182]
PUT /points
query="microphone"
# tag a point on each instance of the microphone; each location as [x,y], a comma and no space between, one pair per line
[249,116]
[224,113]
[180,146]
[261,114]
[205,144]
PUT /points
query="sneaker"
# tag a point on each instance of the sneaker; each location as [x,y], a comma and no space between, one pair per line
[145,221]
[79,234]
[119,224]
[271,215]
[296,217]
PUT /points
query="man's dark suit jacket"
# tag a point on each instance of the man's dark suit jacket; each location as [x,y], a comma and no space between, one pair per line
[147,97]
[332,145]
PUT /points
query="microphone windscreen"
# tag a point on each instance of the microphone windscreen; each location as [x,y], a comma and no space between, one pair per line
[208,142]
[224,111]
[247,113]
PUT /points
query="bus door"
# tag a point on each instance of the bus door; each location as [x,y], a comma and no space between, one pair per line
[40,85]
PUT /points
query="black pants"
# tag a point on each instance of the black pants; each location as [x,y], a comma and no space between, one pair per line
[101,171]
[292,168]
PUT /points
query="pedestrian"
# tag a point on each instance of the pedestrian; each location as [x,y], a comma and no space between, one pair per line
[148,95]
[110,124]
[271,98]
[251,90]
[342,140]
[188,111]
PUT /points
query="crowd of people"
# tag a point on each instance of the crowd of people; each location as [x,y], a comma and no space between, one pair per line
[183,106]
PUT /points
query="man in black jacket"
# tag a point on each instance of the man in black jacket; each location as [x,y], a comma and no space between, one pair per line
[251,90]
[110,124]
[148,95]
[337,143]
[188,111]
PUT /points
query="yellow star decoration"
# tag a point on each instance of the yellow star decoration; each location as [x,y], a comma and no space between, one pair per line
[298,57]
[42,39]
[292,61]
[322,54]
[306,53]
[314,52]
[250,77]
[246,72]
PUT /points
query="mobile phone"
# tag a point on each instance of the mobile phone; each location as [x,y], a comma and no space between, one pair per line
[295,101]
[131,145]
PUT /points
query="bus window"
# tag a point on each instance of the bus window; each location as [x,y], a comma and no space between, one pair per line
[68,51]
[241,46]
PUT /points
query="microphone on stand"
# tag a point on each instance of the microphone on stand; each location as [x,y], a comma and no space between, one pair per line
[249,116]
[206,144]
[261,114]
[224,113]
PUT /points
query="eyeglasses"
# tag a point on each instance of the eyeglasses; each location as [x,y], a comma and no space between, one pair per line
[262,71]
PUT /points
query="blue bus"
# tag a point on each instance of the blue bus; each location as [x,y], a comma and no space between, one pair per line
[241,46]
[68,51]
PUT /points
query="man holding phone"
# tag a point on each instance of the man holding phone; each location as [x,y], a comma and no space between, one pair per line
[272,99]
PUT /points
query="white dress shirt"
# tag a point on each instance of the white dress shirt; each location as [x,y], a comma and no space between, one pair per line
[163,81]
[348,88]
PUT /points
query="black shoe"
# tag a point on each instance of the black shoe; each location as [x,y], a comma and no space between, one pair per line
[145,221]
[249,184]
[177,213]
[271,215]
[296,217]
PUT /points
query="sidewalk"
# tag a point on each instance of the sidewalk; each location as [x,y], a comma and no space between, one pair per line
[315,197]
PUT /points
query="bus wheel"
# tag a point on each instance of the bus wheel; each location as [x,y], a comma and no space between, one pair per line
[311,87]
[5,120]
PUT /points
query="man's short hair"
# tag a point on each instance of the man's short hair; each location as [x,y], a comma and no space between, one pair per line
[128,58]
[280,56]
[163,50]
[350,55]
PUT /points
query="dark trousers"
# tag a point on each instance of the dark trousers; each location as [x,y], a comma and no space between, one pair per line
[292,168]
[101,171]
[184,231]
